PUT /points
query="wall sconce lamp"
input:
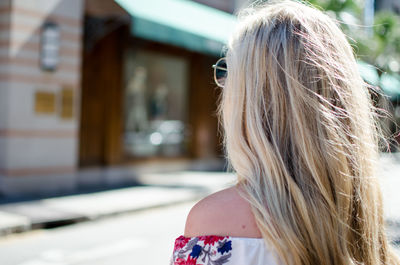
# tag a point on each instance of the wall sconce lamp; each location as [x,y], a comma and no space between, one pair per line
[49,46]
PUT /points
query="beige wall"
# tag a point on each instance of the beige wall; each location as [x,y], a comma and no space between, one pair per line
[31,143]
[224,5]
[4,50]
[230,6]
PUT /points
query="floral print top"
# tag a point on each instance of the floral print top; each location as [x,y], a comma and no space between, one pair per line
[219,250]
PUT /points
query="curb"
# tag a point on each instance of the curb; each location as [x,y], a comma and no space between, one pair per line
[12,223]
[56,212]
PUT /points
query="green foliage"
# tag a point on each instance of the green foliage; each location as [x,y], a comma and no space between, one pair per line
[337,5]
[387,29]
[379,45]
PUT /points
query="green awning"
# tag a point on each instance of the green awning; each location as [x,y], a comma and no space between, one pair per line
[368,72]
[182,23]
[390,84]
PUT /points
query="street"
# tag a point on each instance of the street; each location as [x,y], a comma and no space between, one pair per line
[143,238]
[147,236]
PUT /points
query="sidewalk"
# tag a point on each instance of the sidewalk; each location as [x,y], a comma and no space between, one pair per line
[158,190]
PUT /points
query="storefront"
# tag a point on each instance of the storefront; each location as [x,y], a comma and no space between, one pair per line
[88,85]
[147,84]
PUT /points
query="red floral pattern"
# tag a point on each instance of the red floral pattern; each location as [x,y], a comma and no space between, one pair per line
[189,261]
[180,242]
[210,240]
[210,250]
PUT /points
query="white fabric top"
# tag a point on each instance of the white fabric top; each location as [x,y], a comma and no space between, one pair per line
[217,250]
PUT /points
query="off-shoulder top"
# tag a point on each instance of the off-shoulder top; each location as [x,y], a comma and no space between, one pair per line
[218,250]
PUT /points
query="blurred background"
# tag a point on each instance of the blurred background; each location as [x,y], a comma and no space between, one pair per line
[108,126]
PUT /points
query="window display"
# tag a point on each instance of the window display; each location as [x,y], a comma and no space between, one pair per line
[155,104]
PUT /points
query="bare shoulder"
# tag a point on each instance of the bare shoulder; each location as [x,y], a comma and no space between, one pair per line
[222,213]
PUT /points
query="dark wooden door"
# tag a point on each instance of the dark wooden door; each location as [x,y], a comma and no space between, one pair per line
[101,109]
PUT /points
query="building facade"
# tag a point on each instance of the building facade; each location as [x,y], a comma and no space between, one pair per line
[39,108]
[88,84]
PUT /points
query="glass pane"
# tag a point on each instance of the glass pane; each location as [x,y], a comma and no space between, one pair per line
[155,104]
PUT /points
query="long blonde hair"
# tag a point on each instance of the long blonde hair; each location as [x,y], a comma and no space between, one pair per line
[299,131]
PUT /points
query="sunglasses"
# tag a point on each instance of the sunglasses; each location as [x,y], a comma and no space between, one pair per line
[220,72]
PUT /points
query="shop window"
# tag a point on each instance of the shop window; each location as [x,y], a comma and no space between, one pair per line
[155,113]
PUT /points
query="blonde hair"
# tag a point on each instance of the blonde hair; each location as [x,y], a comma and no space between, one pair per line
[300,133]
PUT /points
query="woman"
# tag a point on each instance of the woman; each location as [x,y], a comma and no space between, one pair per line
[300,134]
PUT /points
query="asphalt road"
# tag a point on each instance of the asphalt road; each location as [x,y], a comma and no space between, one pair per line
[143,238]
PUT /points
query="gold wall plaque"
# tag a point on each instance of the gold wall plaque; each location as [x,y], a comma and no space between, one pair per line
[45,102]
[67,103]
